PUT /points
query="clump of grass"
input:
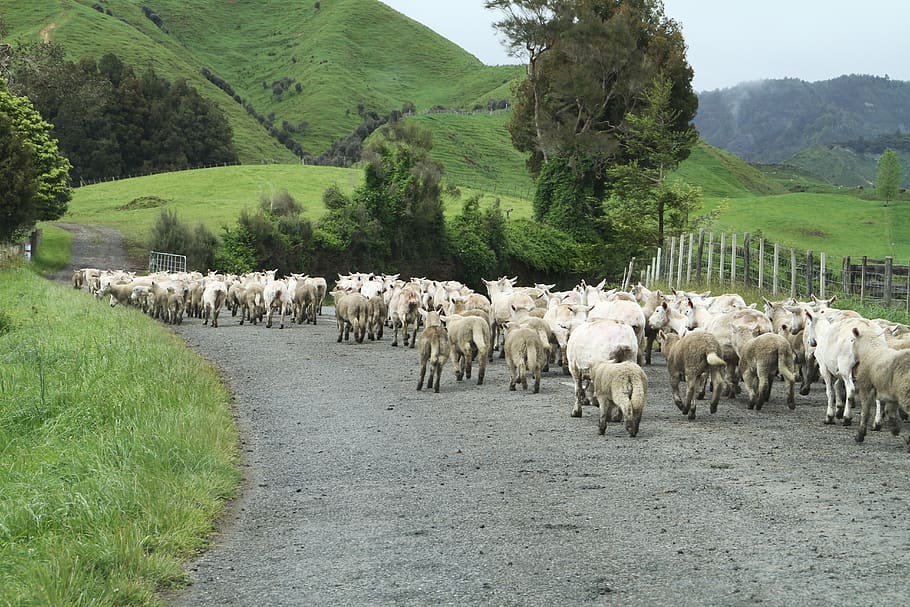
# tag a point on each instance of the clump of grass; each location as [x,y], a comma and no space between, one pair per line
[118,450]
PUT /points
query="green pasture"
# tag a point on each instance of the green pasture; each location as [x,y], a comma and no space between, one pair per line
[118,449]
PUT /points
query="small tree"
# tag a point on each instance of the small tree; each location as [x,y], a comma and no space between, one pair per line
[889,176]
[18,182]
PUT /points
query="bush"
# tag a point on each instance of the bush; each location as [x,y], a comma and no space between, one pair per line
[199,244]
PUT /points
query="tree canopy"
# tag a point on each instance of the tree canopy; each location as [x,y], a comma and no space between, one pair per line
[49,169]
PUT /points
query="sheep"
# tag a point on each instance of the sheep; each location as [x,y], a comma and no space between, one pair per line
[470,337]
[305,302]
[175,308]
[351,314]
[882,374]
[525,353]
[252,305]
[808,368]
[432,347]
[760,359]
[403,308]
[621,386]
[78,279]
[377,312]
[649,301]
[691,358]
[547,337]
[597,341]
[213,298]
[119,293]
[235,297]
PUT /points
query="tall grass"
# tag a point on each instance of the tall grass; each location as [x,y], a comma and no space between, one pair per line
[118,450]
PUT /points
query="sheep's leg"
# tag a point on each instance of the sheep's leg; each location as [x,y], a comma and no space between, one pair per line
[849,398]
[649,345]
[457,362]
[423,373]
[414,337]
[674,388]
[537,372]
[604,413]
[689,406]
[513,375]
[830,393]
[764,389]
[481,368]
[749,379]
[340,330]
[865,407]
[877,424]
[576,408]
[840,397]
[717,381]
[438,366]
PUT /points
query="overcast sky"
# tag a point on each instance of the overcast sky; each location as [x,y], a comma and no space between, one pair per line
[733,41]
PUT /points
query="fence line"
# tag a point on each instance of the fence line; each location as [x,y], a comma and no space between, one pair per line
[735,259]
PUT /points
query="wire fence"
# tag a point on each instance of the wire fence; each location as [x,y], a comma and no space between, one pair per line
[740,259]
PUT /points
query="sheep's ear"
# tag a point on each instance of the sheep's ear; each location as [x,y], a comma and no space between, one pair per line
[793,309]
[423,313]
[752,306]
[767,303]
[661,334]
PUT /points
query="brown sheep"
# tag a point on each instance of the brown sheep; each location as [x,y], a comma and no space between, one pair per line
[470,338]
[621,386]
[692,358]
[525,353]
[433,348]
[761,358]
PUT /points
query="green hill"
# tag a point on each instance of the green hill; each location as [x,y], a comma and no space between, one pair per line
[346,56]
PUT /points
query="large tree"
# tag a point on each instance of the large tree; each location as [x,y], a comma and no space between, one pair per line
[590,64]
[18,182]
[52,187]
[889,176]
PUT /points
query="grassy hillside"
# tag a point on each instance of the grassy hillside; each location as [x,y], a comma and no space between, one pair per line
[843,166]
[347,56]
[721,174]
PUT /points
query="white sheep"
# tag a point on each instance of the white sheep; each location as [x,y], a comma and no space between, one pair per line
[470,338]
[882,374]
[525,353]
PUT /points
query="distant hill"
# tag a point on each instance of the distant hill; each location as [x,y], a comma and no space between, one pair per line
[771,120]
[317,67]
[853,163]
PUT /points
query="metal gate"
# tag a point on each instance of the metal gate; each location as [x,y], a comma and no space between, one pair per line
[166,262]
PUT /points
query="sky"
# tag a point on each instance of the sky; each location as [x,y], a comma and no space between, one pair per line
[732,41]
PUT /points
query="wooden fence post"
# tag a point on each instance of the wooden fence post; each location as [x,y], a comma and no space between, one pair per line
[793,273]
[889,262]
[670,261]
[761,263]
[689,259]
[657,273]
[862,280]
[710,256]
[747,258]
[809,278]
[821,275]
[907,309]
[700,256]
[720,267]
[733,260]
[775,277]
[679,263]
[846,279]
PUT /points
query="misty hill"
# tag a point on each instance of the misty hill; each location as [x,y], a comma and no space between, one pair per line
[771,120]
[308,71]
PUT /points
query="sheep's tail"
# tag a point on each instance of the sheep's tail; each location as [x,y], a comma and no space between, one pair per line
[532,355]
[785,362]
[714,360]
[478,338]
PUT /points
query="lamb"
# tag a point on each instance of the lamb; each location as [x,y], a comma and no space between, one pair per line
[525,353]
[351,314]
[621,386]
[883,374]
[691,358]
[213,298]
[305,302]
[760,359]
[597,341]
[377,312]
[78,279]
[432,347]
[470,338]
[175,308]
[252,307]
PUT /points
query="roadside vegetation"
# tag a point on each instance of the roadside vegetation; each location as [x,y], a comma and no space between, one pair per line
[117,443]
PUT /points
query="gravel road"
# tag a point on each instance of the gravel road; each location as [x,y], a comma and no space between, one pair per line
[359,490]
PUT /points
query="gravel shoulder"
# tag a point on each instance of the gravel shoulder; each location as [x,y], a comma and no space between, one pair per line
[359,490]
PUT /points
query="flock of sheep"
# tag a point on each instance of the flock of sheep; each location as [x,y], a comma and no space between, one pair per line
[600,337]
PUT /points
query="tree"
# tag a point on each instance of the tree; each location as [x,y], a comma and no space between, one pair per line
[889,176]
[592,62]
[51,169]
[642,197]
[18,182]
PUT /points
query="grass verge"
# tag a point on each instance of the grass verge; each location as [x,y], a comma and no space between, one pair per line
[118,450]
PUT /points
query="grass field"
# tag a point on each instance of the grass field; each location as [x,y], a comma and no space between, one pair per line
[118,449]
